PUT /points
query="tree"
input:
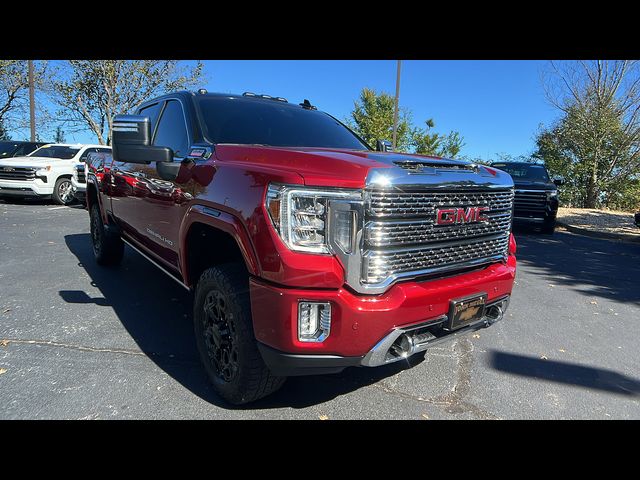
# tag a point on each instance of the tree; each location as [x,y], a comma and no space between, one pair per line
[440,145]
[372,119]
[59,136]
[93,92]
[13,82]
[14,87]
[4,135]
[596,142]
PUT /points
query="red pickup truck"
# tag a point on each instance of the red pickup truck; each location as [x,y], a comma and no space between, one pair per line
[306,250]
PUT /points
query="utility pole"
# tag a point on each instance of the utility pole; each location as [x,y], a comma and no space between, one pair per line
[395,110]
[32,103]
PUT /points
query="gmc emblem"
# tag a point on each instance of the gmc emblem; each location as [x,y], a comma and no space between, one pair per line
[451,216]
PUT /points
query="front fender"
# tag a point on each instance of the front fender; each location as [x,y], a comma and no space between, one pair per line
[223,221]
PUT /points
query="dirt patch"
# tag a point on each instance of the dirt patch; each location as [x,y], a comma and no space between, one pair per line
[604,221]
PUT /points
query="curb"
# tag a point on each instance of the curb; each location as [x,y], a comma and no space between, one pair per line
[595,234]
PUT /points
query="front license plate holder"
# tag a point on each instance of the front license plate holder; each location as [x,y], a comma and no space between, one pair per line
[466,311]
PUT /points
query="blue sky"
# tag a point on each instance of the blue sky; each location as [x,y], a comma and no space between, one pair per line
[497,106]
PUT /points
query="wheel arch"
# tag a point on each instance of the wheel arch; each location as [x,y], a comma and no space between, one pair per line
[207,241]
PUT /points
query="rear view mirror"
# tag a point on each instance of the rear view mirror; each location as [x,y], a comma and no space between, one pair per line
[131,141]
[384,146]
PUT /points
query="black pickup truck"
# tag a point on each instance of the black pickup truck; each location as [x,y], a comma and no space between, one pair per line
[536,199]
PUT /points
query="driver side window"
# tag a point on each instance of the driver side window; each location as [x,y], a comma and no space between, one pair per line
[172,130]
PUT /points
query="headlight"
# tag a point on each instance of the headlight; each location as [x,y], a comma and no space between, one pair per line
[552,194]
[300,215]
[43,170]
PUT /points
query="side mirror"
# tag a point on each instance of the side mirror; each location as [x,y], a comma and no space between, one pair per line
[131,141]
[384,146]
[558,181]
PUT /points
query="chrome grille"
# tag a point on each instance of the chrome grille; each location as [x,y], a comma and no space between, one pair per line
[416,204]
[17,173]
[380,265]
[535,201]
[401,237]
[380,234]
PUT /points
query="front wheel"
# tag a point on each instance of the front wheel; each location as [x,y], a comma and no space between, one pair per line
[224,335]
[108,248]
[62,192]
[549,227]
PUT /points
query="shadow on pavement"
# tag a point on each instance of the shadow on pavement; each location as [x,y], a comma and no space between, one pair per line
[567,373]
[592,266]
[157,314]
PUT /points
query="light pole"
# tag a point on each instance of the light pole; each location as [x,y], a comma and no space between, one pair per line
[395,110]
[32,104]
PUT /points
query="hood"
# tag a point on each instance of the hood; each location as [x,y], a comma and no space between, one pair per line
[29,161]
[325,166]
[529,185]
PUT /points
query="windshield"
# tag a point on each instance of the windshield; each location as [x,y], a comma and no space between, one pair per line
[55,151]
[273,123]
[524,171]
[7,149]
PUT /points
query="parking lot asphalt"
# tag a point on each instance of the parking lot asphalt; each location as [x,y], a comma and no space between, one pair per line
[78,341]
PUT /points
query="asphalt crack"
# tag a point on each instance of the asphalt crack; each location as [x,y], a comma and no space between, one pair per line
[453,401]
[163,358]
[49,343]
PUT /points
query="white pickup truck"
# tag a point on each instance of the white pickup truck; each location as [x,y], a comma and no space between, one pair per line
[44,173]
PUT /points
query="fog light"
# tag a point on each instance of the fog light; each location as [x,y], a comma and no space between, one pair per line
[314,321]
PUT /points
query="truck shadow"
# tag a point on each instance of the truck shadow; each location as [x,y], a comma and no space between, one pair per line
[156,312]
[590,266]
[566,373]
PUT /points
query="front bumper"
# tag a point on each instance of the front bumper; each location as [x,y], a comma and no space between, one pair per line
[79,189]
[422,336]
[30,188]
[543,213]
[362,325]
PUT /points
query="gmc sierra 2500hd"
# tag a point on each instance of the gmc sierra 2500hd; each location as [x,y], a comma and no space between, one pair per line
[307,251]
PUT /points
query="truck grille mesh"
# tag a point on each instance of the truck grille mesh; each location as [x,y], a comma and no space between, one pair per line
[401,236]
[419,204]
[17,173]
[530,202]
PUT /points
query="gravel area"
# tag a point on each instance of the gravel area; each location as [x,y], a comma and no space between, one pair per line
[606,221]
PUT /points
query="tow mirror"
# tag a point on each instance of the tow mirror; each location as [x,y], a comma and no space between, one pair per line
[131,141]
[384,146]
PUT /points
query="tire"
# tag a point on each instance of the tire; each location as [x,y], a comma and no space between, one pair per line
[549,227]
[108,248]
[62,193]
[225,339]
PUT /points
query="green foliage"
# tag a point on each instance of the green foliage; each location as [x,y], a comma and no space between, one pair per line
[595,145]
[440,145]
[372,119]
[93,92]
[624,196]
[592,153]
